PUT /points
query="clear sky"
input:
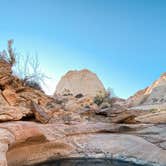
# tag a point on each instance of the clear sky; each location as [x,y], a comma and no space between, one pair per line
[123,41]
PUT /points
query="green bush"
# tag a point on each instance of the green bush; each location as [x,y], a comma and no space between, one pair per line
[101,97]
[98,100]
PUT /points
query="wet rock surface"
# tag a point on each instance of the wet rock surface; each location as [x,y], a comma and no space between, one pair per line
[87,162]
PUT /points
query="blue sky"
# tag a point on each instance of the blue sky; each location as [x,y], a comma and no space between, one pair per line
[123,41]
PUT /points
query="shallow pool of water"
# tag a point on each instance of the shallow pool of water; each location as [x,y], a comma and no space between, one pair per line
[87,162]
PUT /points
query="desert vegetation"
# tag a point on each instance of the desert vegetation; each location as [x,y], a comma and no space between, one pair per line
[9,55]
[103,97]
[27,68]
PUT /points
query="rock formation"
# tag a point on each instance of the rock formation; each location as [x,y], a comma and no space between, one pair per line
[28,143]
[76,82]
[152,95]
[37,128]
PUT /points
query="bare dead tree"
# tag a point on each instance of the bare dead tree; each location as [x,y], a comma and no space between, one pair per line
[9,55]
[28,69]
[12,58]
[3,55]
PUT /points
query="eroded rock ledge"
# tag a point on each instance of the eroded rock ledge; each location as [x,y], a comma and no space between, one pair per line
[28,143]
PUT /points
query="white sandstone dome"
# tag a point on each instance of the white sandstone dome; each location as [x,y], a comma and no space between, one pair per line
[76,82]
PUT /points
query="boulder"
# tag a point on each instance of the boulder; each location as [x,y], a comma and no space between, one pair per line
[39,113]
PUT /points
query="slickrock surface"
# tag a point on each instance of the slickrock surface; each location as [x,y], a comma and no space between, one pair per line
[76,82]
[27,143]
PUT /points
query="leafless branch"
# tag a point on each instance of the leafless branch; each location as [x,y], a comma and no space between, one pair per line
[11,53]
[28,69]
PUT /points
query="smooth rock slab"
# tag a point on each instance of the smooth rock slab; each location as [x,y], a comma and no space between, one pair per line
[28,143]
[121,146]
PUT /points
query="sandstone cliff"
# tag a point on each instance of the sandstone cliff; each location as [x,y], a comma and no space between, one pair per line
[155,94]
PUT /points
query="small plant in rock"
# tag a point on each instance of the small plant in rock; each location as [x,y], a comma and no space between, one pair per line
[98,99]
[33,84]
[67,92]
[101,97]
